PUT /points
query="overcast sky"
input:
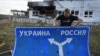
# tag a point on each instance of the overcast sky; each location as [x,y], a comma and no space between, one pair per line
[7,5]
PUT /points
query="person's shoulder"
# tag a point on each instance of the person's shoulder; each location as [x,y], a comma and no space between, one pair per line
[73,16]
[60,15]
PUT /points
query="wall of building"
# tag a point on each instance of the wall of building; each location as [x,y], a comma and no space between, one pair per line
[89,10]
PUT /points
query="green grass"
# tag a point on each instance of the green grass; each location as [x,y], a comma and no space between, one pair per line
[7,35]
[95,41]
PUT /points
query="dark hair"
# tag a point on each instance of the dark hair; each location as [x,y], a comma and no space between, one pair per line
[67,10]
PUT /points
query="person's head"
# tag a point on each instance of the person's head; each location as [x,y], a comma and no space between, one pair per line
[66,12]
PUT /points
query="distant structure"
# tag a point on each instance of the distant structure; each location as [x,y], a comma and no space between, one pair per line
[41,9]
[19,14]
[88,10]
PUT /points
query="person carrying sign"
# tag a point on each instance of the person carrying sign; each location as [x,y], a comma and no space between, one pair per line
[67,19]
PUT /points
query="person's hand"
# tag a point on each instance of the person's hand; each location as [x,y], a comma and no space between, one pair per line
[54,24]
[73,25]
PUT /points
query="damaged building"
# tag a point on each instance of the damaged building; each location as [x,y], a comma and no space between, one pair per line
[48,9]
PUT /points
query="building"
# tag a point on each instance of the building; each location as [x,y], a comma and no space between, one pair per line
[41,9]
[88,10]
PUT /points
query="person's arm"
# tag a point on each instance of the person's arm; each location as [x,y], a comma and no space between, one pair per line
[54,22]
[79,20]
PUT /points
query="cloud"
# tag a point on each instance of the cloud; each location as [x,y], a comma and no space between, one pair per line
[7,5]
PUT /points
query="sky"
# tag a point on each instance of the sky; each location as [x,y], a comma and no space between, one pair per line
[7,5]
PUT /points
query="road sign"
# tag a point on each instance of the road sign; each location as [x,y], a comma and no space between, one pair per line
[51,41]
